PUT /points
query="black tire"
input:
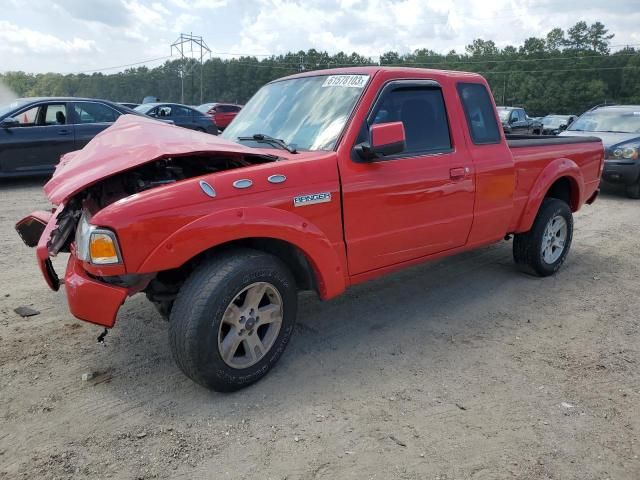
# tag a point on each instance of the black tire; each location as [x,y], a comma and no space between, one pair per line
[528,246]
[203,299]
[633,190]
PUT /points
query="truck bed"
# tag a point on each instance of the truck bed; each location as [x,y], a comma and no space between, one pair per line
[532,154]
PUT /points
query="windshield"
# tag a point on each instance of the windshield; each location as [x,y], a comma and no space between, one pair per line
[504,114]
[609,120]
[308,113]
[6,108]
[144,108]
[554,121]
[205,107]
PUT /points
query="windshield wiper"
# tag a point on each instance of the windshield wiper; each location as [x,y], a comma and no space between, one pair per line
[261,137]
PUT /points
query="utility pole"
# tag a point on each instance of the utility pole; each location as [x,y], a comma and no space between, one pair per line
[190,41]
[504,90]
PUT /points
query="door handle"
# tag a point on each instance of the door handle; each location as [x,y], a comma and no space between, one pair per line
[459,173]
[64,132]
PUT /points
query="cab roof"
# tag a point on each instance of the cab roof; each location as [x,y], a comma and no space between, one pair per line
[373,70]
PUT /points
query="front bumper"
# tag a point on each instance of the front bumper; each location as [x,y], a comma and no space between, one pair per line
[625,173]
[89,299]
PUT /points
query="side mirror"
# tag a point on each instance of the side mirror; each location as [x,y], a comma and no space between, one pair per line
[513,119]
[9,122]
[563,127]
[386,139]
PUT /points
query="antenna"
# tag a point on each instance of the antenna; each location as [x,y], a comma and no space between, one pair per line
[189,40]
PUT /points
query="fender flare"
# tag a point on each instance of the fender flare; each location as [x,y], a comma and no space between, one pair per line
[235,224]
[558,168]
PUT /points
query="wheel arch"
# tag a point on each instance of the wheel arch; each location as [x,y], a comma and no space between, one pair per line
[315,262]
[291,255]
[561,179]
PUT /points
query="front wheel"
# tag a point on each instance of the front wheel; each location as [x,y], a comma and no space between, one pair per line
[232,319]
[543,249]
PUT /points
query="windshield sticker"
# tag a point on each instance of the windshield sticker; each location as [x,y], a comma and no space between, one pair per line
[353,81]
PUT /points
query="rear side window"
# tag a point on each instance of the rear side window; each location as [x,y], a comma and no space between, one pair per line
[178,111]
[91,112]
[478,110]
[423,114]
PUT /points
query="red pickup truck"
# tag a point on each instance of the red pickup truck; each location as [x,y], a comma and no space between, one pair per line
[324,180]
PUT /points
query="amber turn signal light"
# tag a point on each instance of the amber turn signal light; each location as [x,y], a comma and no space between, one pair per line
[103,249]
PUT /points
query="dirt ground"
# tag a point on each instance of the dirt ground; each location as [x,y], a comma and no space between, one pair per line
[462,368]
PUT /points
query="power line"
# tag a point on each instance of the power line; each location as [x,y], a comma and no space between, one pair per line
[123,66]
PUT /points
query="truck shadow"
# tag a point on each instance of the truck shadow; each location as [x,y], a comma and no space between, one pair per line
[384,323]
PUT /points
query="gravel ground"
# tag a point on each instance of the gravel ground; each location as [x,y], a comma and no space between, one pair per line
[461,368]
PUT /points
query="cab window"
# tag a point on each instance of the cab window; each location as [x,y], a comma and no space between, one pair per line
[423,114]
[478,110]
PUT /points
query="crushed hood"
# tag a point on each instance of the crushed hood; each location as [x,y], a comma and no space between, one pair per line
[132,141]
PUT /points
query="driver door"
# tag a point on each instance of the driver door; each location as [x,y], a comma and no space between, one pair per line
[36,145]
[414,204]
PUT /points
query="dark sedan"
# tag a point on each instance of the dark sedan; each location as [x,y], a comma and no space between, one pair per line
[554,124]
[180,115]
[35,132]
[619,129]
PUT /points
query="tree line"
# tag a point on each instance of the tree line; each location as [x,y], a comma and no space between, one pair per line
[562,72]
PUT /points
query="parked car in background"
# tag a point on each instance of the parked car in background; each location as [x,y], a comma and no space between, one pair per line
[222,113]
[181,115]
[151,99]
[516,121]
[554,124]
[35,132]
[619,128]
[129,105]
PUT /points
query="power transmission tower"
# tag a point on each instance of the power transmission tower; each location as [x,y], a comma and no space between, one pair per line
[186,43]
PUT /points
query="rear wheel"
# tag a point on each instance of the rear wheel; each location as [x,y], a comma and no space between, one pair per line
[633,190]
[232,319]
[543,249]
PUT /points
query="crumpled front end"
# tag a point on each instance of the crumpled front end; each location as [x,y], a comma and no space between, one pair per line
[114,166]
[89,299]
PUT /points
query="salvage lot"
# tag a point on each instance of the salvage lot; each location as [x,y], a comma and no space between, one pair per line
[461,368]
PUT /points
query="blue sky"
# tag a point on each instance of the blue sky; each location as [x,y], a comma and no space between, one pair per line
[83,35]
